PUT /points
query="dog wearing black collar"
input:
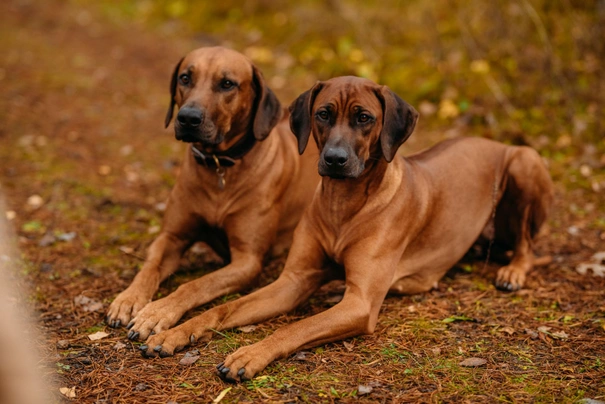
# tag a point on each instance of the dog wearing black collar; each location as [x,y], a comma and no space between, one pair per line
[242,189]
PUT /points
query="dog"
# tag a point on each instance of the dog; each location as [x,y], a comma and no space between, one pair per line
[382,222]
[242,188]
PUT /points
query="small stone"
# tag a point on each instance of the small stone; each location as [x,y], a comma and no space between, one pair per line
[362,390]
[11,214]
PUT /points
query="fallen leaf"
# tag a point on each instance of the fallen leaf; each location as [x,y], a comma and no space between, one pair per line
[97,336]
[473,362]
[452,319]
[436,351]
[126,250]
[10,214]
[532,334]
[349,346]
[189,360]
[560,334]
[221,395]
[153,229]
[119,346]
[508,330]
[363,390]
[248,328]
[63,344]
[69,392]
[543,329]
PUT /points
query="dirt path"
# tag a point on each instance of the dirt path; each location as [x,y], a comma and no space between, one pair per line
[81,111]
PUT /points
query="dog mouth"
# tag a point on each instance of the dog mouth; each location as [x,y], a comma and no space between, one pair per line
[340,173]
[196,136]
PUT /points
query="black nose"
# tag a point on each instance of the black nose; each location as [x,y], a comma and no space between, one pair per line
[190,117]
[336,157]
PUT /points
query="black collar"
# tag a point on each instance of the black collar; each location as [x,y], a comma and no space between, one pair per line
[225,158]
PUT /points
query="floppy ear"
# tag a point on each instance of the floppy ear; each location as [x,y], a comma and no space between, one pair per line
[300,115]
[173,83]
[267,109]
[398,121]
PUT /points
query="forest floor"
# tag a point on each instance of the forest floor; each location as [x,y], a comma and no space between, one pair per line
[86,167]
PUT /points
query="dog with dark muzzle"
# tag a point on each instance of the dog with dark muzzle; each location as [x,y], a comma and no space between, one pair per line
[242,188]
[382,222]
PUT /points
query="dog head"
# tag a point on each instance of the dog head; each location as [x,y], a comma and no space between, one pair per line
[353,120]
[220,95]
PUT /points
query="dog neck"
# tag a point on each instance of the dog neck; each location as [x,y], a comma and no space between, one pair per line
[351,194]
[216,158]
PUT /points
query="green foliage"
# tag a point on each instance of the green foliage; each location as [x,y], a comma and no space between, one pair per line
[509,70]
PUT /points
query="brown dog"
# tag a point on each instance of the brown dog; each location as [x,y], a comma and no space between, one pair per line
[382,227]
[242,187]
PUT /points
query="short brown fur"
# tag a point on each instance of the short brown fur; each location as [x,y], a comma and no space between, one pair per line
[384,227]
[264,196]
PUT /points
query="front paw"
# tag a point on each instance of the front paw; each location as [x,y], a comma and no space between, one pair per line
[167,343]
[244,363]
[154,318]
[125,307]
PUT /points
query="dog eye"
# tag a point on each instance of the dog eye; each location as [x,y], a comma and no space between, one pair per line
[227,84]
[363,118]
[185,79]
[323,115]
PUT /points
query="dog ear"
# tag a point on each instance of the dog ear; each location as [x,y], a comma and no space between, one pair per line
[173,83]
[300,115]
[398,121]
[267,109]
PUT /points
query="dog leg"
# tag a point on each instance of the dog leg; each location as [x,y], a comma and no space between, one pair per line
[163,258]
[301,277]
[247,248]
[521,212]
[355,314]
[162,314]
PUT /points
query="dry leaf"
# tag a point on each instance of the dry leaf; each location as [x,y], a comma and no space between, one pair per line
[543,329]
[221,395]
[508,330]
[189,359]
[349,346]
[119,346]
[126,250]
[69,392]
[473,362]
[248,328]
[97,336]
[560,335]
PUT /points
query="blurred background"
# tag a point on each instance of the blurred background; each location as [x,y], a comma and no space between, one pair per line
[86,165]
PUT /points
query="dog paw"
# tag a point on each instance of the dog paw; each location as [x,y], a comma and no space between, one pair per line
[124,308]
[167,343]
[510,278]
[244,364]
[154,318]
